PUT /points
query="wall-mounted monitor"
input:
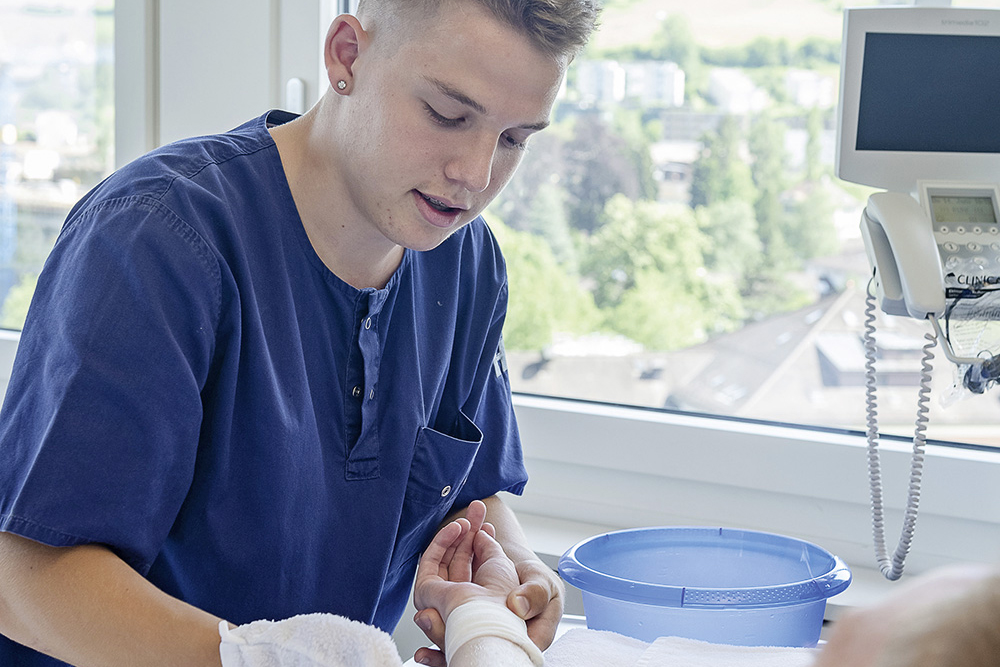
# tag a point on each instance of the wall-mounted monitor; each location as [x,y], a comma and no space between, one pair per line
[919,96]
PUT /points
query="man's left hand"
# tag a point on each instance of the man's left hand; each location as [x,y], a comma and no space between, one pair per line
[538,600]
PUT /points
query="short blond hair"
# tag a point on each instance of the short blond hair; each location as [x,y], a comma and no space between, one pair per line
[559,28]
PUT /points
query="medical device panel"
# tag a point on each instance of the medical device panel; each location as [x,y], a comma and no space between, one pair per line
[917,116]
[918,96]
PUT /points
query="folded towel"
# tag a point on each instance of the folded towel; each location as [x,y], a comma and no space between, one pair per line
[597,648]
[581,647]
[678,652]
[310,640]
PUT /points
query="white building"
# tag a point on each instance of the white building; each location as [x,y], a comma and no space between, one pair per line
[735,93]
[655,83]
[810,89]
[600,82]
[652,82]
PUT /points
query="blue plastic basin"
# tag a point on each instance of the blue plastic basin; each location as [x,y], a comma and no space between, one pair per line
[719,585]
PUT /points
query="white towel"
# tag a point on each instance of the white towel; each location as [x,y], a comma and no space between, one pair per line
[678,652]
[581,647]
[585,648]
[310,640]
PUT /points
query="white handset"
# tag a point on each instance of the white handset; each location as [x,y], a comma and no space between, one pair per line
[909,280]
[899,240]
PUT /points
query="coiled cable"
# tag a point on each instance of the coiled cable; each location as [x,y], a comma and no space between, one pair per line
[892,569]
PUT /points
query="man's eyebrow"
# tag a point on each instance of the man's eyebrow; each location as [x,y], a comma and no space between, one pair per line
[462,98]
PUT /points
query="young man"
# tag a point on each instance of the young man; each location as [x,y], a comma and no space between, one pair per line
[261,368]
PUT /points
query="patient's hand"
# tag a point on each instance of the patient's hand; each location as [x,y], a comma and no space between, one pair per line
[463,562]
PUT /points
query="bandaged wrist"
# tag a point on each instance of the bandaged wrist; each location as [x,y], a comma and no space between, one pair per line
[479,618]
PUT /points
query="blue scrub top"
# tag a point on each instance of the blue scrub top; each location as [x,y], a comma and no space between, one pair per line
[197,391]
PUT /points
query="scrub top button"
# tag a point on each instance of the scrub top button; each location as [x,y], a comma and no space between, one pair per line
[368,323]
[356,392]
[445,491]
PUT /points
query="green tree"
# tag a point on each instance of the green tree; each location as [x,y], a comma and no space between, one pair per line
[768,52]
[646,264]
[599,164]
[769,290]
[15,305]
[543,163]
[766,142]
[815,51]
[544,299]
[811,232]
[733,246]
[675,42]
[721,172]
[547,218]
[641,236]
[639,137]
[814,131]
[656,314]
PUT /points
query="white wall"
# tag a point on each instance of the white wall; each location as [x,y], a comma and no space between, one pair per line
[190,67]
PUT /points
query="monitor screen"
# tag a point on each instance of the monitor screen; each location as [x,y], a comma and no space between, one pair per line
[919,96]
[937,93]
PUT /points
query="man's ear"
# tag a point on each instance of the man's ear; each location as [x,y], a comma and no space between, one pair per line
[345,40]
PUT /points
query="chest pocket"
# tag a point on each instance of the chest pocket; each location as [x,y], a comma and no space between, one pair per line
[440,468]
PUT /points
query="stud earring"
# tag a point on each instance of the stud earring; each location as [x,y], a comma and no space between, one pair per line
[341,85]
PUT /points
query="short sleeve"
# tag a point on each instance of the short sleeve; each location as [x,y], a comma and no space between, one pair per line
[100,427]
[499,464]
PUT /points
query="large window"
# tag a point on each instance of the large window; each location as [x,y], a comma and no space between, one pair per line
[56,129]
[679,240]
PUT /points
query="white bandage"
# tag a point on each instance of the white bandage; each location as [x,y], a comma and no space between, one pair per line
[479,618]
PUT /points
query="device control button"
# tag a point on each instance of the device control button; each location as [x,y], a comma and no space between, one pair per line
[995,246]
[951,262]
[973,247]
[980,262]
[951,247]
[977,230]
[944,229]
[994,230]
[960,230]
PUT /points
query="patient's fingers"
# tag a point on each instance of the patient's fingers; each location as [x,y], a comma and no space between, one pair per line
[476,514]
[434,562]
[461,562]
[487,547]
[450,552]
[477,558]
[431,657]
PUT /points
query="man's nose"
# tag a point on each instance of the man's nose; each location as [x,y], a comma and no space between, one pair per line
[472,163]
